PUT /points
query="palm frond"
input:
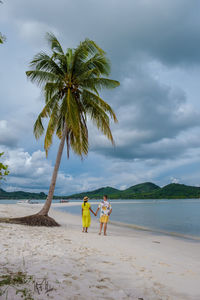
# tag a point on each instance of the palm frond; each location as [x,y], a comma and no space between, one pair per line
[44,62]
[54,43]
[99,117]
[51,128]
[100,83]
[87,52]
[53,89]
[89,98]
[38,127]
[41,77]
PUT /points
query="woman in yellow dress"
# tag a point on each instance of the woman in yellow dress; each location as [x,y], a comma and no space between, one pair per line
[86,218]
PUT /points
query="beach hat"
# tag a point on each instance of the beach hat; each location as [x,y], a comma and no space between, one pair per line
[85,198]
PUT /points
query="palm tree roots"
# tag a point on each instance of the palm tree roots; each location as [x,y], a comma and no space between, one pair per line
[33,220]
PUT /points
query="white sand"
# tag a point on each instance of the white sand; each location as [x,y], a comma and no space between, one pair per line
[126,264]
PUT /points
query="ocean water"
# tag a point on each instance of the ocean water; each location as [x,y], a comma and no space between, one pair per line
[12,201]
[177,217]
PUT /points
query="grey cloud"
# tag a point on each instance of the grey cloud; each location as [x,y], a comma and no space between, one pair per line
[31,171]
[7,135]
[157,123]
[151,118]
[166,30]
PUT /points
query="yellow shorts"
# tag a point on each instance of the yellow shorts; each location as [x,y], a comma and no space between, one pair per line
[104,219]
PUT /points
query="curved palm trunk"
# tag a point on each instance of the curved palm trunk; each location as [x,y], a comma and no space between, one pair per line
[44,211]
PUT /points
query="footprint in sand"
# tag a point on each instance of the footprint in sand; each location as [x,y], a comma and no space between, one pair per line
[190,272]
[107,262]
[142,269]
[101,287]
[157,284]
[104,279]
[68,282]
[67,274]
[163,264]
[67,240]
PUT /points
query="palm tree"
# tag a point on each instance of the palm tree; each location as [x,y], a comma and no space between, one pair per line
[70,81]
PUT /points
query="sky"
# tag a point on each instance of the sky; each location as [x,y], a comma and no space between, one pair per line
[154,49]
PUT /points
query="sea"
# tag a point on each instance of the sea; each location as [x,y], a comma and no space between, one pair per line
[174,217]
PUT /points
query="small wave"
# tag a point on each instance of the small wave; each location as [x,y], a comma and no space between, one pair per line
[143,228]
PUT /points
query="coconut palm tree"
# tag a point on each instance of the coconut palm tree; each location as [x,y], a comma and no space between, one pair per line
[71,82]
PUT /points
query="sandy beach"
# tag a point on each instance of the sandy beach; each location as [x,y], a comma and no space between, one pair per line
[69,264]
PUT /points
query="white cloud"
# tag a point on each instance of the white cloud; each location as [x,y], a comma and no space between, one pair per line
[8,135]
[175,180]
[34,31]
[31,171]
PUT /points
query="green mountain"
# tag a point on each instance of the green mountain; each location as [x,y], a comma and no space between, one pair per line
[145,190]
[21,195]
[96,193]
[178,191]
[146,187]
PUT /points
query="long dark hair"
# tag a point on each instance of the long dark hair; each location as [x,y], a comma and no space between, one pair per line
[84,202]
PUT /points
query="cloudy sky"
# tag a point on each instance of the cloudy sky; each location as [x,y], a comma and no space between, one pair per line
[154,47]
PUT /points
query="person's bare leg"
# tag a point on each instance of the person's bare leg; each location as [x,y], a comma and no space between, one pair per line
[100,229]
[105,228]
[86,229]
[83,229]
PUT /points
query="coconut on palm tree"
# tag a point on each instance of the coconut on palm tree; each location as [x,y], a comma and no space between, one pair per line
[71,82]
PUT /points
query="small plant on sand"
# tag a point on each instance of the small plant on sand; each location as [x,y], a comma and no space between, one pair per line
[70,82]
[14,280]
[24,285]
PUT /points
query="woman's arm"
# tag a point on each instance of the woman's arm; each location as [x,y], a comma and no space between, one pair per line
[92,211]
[97,211]
[110,212]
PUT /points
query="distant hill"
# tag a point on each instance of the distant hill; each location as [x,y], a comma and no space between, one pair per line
[175,190]
[96,193]
[21,195]
[146,190]
[146,187]
[142,188]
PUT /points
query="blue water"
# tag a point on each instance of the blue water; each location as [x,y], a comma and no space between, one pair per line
[170,216]
[10,201]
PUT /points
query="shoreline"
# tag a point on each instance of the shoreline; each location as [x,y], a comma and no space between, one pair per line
[133,226]
[130,225]
[127,264]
